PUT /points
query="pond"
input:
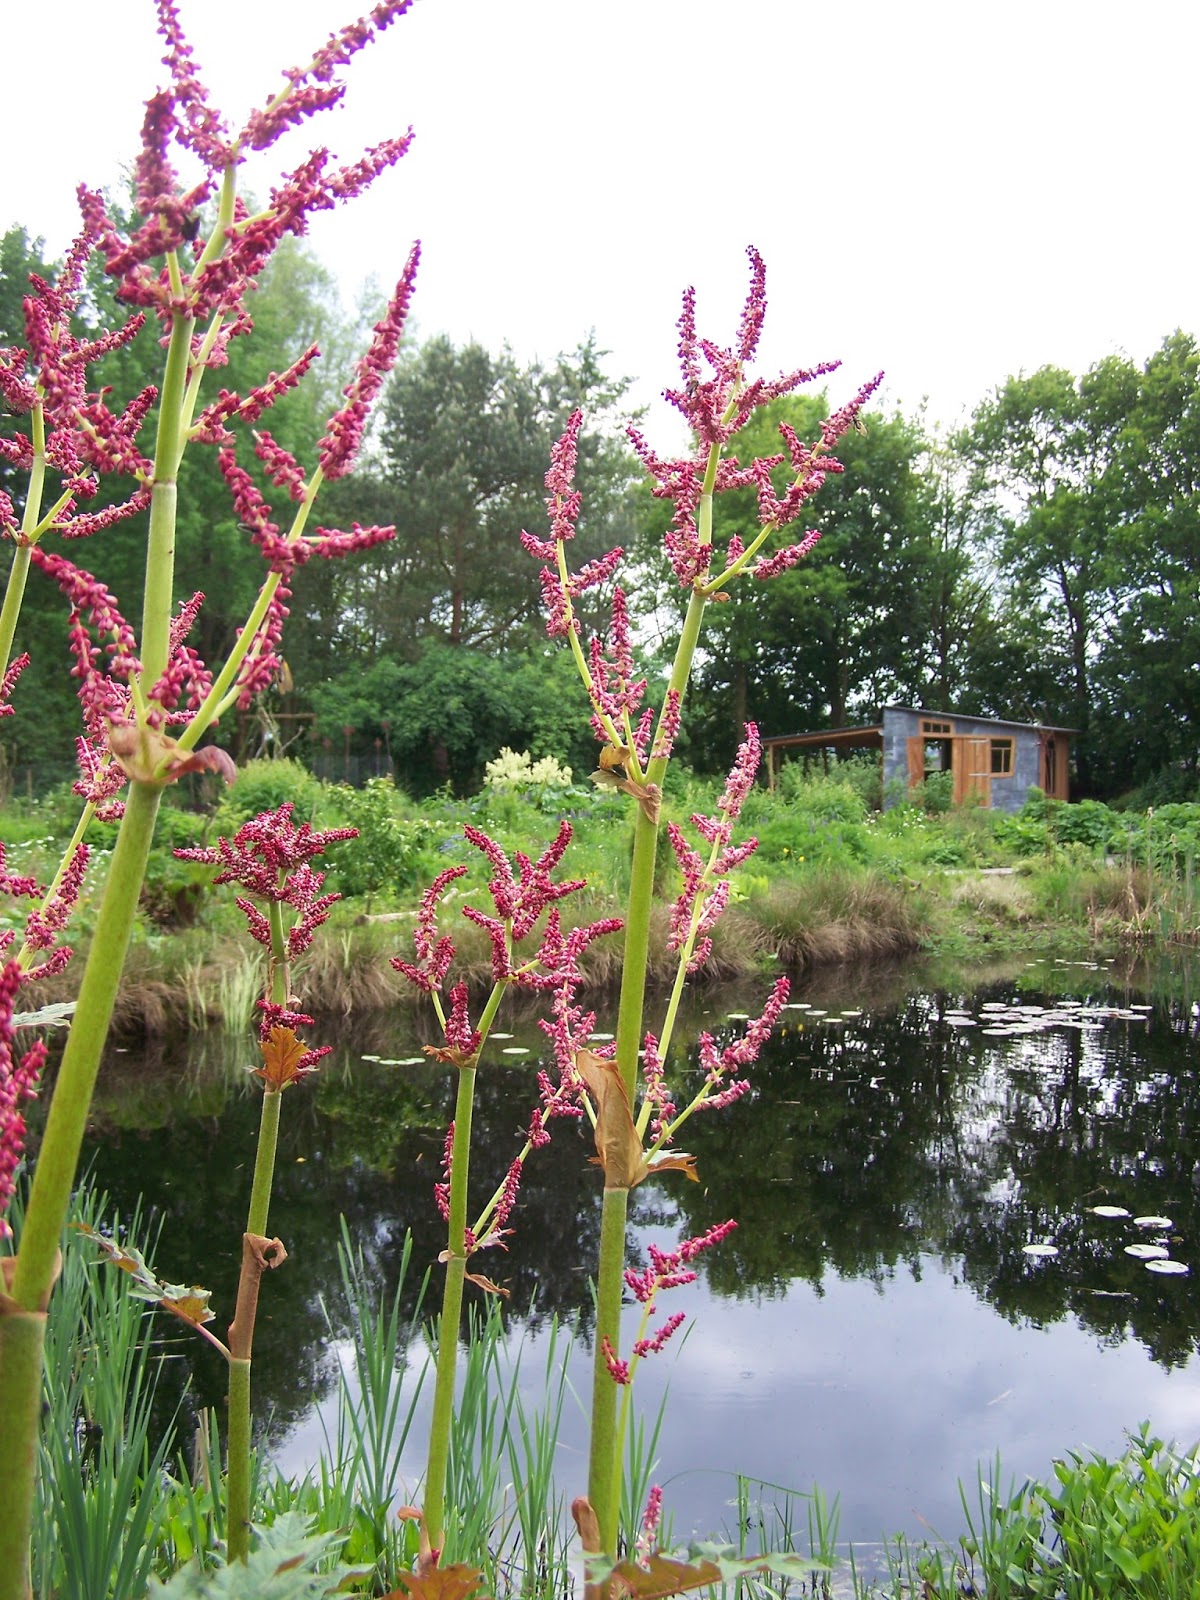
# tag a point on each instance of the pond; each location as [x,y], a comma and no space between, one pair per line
[877,1324]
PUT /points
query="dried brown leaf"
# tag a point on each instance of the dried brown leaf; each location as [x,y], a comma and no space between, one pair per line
[618,1148]
[486,1284]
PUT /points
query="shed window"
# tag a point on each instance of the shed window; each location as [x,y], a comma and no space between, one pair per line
[930,727]
[1002,758]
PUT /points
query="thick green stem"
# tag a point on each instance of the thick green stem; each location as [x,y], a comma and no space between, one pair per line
[604,1461]
[604,1469]
[59,1154]
[264,1163]
[237,1479]
[22,1334]
[452,1296]
[20,1384]
[13,596]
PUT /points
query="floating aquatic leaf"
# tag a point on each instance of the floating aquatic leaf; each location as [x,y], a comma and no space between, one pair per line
[1040,1250]
[1147,1252]
[1175,1269]
[496,1034]
[372,1058]
[1153,1222]
[515,1050]
[1108,1211]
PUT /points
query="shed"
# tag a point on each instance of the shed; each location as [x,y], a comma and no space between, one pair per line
[993,762]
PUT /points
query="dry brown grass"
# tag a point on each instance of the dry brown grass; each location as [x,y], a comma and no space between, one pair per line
[836,917]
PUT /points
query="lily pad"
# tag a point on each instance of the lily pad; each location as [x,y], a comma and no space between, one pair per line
[1147,1252]
[1108,1211]
[1153,1222]
[1174,1269]
[1040,1250]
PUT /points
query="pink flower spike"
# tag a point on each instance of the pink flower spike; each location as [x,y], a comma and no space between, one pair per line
[652,1345]
[9,682]
[618,1369]
[741,778]
[650,1520]
[18,1083]
[339,448]
[434,954]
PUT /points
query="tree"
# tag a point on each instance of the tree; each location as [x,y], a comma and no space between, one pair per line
[464,447]
[1148,676]
[1050,448]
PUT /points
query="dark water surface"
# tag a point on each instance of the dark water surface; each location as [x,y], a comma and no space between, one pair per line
[875,1325]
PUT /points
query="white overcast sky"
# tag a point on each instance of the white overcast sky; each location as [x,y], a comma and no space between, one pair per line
[951,190]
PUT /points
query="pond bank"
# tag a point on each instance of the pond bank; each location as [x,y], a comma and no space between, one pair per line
[201,976]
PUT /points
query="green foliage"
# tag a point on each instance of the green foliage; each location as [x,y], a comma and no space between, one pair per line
[447,713]
[388,853]
[1129,1526]
[264,785]
[288,1562]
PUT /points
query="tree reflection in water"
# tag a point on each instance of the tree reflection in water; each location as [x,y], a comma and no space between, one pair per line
[896,1139]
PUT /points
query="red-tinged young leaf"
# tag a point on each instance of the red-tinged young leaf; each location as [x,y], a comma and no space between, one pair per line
[457,1582]
[122,1256]
[188,1302]
[618,1148]
[284,1059]
[660,1577]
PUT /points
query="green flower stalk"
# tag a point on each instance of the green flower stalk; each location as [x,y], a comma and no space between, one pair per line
[190,262]
[717,398]
[271,859]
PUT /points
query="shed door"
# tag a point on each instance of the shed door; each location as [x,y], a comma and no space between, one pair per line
[972,766]
[916,762]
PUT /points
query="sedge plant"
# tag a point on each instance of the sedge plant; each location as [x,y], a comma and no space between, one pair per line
[188,262]
[623,1088]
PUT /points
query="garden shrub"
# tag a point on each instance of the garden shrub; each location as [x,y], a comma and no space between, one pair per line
[265,784]
[389,850]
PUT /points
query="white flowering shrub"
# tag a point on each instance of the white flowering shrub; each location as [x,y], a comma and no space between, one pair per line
[517,771]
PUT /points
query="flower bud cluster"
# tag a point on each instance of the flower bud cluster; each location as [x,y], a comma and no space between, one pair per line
[18,1083]
[721,1087]
[668,1269]
[271,858]
[519,897]
[705,891]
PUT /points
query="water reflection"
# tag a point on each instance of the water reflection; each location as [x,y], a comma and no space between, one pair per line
[887,1172]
